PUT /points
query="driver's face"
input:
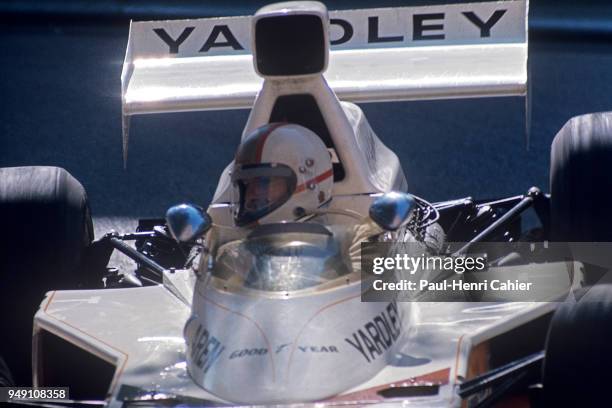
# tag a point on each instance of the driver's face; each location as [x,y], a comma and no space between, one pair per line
[260,192]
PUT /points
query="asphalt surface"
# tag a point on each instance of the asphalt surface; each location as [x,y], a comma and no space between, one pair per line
[60,93]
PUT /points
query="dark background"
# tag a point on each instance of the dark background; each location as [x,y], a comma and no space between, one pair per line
[60,64]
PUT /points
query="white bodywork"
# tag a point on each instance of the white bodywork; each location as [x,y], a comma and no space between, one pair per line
[140,332]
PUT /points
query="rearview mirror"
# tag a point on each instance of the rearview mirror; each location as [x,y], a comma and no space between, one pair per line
[392,210]
[187,222]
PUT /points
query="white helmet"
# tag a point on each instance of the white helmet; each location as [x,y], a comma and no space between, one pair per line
[281,172]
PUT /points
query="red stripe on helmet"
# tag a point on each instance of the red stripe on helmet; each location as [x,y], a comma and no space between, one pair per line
[260,145]
[315,180]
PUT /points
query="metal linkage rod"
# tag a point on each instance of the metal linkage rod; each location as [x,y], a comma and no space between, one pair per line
[150,264]
[524,204]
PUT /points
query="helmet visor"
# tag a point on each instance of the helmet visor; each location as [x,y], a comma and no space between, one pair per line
[261,188]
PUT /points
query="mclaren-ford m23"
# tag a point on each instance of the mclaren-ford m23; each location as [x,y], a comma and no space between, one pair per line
[308,278]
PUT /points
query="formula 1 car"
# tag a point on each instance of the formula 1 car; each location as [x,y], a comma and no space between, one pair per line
[277,315]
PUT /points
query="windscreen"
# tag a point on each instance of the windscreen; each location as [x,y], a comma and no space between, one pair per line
[282,257]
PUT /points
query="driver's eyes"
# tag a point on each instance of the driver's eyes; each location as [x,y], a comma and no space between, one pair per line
[258,183]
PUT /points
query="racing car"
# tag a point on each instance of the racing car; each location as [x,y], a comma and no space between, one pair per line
[261,298]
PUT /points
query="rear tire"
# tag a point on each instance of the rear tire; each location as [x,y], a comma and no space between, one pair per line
[46,227]
[576,371]
[580,180]
[581,192]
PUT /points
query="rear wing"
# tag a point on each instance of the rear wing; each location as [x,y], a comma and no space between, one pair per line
[385,54]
